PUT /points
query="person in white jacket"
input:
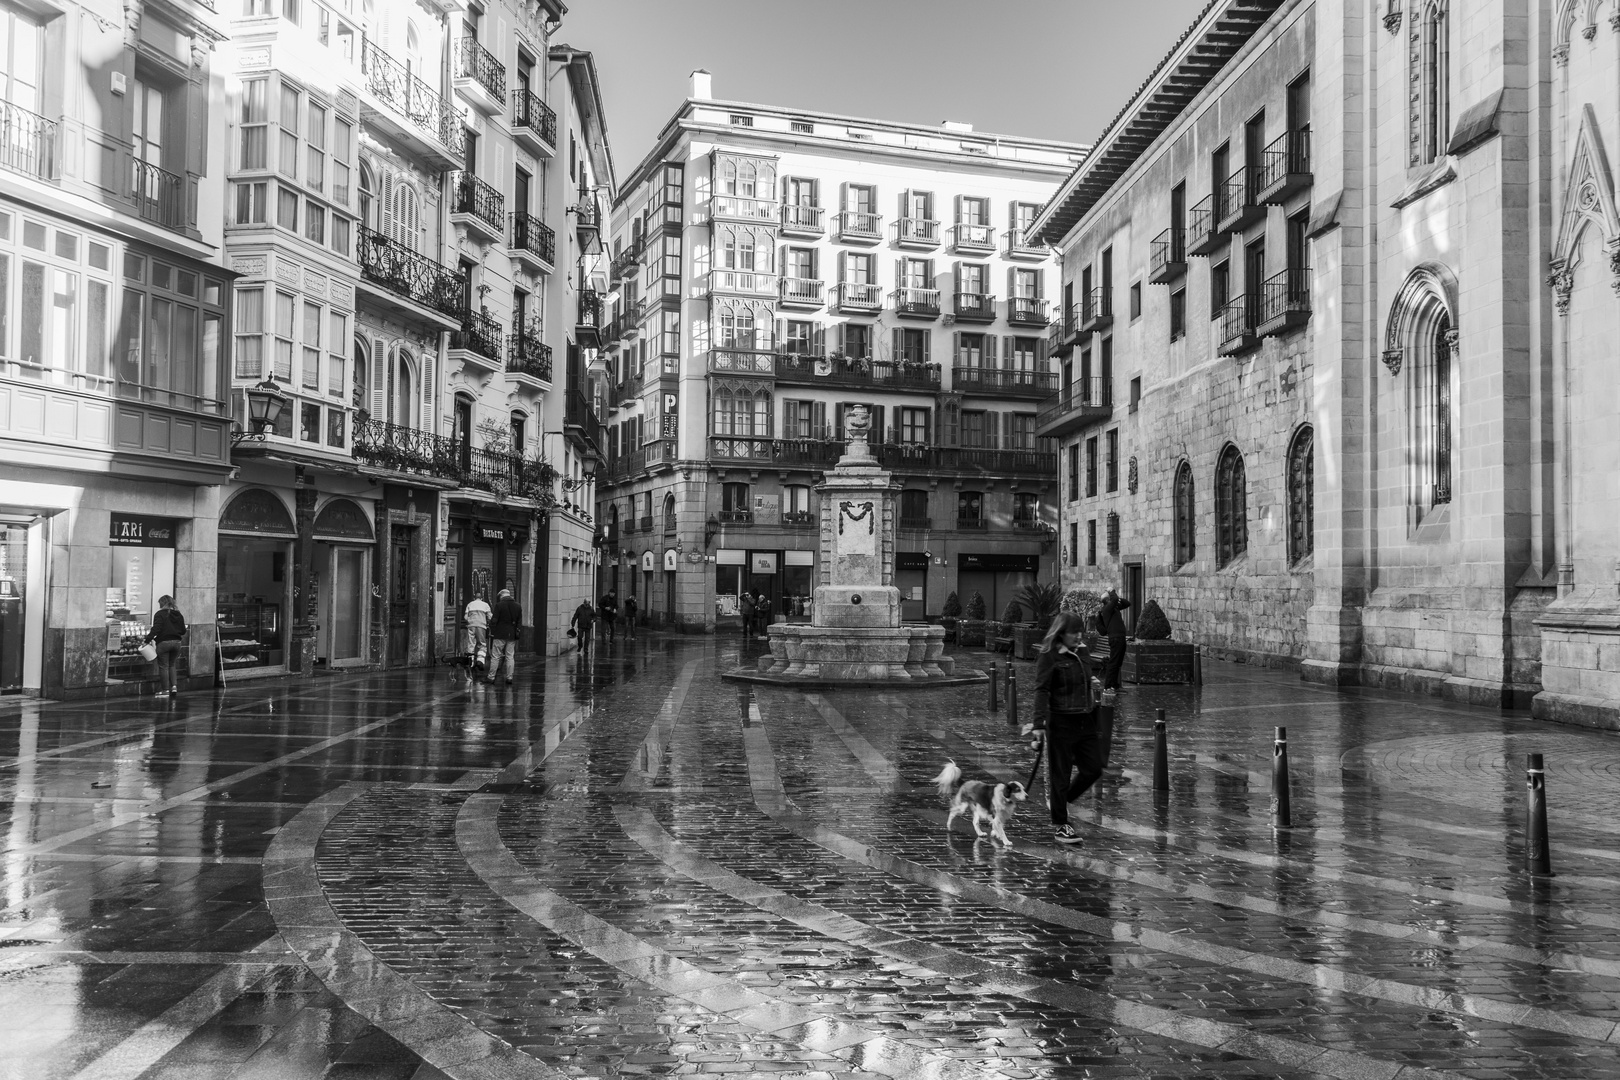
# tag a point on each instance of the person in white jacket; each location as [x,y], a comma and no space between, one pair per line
[477,631]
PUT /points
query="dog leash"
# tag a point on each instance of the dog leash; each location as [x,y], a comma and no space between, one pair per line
[1034,770]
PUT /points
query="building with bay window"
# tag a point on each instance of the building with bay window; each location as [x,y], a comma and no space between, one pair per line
[773,267]
[115,329]
[1334,392]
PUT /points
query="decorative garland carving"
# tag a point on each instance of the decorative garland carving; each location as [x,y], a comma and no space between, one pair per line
[1392,360]
[1562,280]
[1392,22]
[1130,476]
[857,512]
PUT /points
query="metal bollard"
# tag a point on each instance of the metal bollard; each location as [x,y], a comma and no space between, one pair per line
[1012,697]
[1198,666]
[1537,853]
[1161,753]
[994,704]
[1282,816]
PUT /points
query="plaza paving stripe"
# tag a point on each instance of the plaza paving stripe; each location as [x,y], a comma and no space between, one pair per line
[1317,974]
[649,760]
[313,930]
[479,840]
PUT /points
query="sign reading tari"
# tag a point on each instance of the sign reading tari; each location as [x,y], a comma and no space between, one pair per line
[137,530]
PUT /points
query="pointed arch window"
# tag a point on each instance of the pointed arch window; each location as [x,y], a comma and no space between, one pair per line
[1430,62]
[1185,523]
[1231,507]
[1301,495]
[669,512]
[1432,386]
[402,404]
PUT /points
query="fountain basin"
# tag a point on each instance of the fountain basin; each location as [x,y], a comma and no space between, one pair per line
[857,656]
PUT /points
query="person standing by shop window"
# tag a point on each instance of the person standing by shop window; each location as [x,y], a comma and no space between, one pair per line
[505,625]
[168,628]
[477,632]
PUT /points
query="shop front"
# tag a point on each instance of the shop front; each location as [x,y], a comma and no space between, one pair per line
[339,583]
[141,570]
[21,612]
[911,578]
[997,577]
[254,593]
[484,556]
[785,578]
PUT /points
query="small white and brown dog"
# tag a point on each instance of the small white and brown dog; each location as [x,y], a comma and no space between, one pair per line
[992,804]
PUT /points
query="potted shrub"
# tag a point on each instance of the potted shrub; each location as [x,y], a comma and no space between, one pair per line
[949,615]
[1011,616]
[1152,657]
[1086,604]
[970,631]
[1043,602]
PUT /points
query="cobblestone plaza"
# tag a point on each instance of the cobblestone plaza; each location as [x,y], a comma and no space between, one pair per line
[632,867]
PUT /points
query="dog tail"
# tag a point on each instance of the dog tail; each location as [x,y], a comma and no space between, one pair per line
[948,778]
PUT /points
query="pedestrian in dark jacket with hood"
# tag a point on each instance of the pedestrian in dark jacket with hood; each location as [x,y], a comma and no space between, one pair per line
[1066,697]
[168,628]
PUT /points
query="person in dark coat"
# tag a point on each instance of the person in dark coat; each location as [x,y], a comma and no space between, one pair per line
[582,625]
[168,628]
[607,609]
[630,616]
[1112,626]
[1066,697]
[745,605]
[505,627]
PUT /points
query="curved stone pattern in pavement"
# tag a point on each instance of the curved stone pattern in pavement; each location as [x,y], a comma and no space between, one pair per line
[634,868]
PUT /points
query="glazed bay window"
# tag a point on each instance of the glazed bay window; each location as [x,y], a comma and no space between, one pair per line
[311,339]
[170,335]
[287,208]
[286,306]
[315,150]
[287,156]
[253,125]
[337,361]
[249,352]
[250,203]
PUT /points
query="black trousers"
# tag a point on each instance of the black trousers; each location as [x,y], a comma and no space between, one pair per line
[1116,661]
[1074,760]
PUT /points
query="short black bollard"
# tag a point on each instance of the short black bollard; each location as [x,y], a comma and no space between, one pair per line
[1161,753]
[994,704]
[1282,816]
[1012,697]
[1198,666]
[1537,850]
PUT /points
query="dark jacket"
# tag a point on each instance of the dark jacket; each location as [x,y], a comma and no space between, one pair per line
[1062,685]
[1109,623]
[167,625]
[584,616]
[506,621]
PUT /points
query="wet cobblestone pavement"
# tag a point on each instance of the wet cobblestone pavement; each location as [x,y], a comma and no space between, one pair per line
[636,868]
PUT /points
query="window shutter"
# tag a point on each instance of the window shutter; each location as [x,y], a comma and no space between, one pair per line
[905,203]
[1040,354]
[780,336]
[838,421]
[989,359]
[843,195]
[992,430]
[1009,351]
[818,419]
[379,381]
[899,345]
[843,258]
[1040,284]
[900,273]
[956,275]
[956,347]
[1012,286]
[927,341]
[927,423]
[959,209]
[877,423]
[838,337]
[818,340]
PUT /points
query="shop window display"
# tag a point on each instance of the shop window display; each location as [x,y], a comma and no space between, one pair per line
[142,550]
[252,589]
[13,591]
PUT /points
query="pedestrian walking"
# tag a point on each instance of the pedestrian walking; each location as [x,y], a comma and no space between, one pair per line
[607,609]
[762,609]
[1066,697]
[1112,626]
[477,617]
[630,616]
[168,628]
[505,626]
[746,606]
[581,625]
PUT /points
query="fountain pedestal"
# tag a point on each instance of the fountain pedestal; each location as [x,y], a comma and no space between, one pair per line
[855,635]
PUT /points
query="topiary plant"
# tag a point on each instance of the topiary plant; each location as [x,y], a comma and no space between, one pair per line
[1012,613]
[1084,603]
[952,608]
[975,606]
[1151,625]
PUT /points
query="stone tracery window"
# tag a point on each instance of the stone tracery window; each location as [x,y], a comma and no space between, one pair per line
[1429,60]
[1301,495]
[1185,523]
[1231,507]
[1432,388]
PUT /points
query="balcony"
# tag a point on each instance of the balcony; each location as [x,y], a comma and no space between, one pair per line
[533,242]
[399,449]
[426,286]
[851,298]
[915,524]
[478,341]
[743,283]
[742,361]
[534,124]
[1086,402]
[972,523]
[1202,235]
[1235,326]
[412,112]
[803,294]
[974,460]
[918,233]
[735,517]
[1285,303]
[1061,333]
[160,195]
[528,359]
[789,453]
[505,474]
[1004,382]
[143,433]
[858,227]
[1098,313]
[797,369]
[1285,168]
[646,523]
[588,319]
[28,143]
[1238,208]
[974,307]
[580,422]
[587,221]
[1026,311]
[480,78]
[477,206]
[623,265]
[1167,256]
[973,239]
[913,303]
[743,208]
[1020,245]
[802,221]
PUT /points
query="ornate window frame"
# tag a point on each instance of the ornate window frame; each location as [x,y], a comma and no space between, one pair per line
[1231,507]
[1301,483]
[1421,339]
[1185,523]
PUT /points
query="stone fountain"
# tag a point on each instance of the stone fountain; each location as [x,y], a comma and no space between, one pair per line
[855,635]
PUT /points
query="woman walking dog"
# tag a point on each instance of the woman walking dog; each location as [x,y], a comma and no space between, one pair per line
[1066,699]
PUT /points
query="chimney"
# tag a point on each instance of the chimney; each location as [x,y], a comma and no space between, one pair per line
[955,125]
[701,87]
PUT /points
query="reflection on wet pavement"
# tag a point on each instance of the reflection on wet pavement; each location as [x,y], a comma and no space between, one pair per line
[633,867]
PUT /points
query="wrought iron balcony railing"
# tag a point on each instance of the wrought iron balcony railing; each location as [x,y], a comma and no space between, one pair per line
[1285,302]
[479,199]
[1098,311]
[28,142]
[527,354]
[1238,207]
[1202,235]
[1236,324]
[916,523]
[392,83]
[974,306]
[855,371]
[922,232]
[479,64]
[160,195]
[801,291]
[913,301]
[1021,245]
[415,277]
[1020,381]
[406,449]
[1167,256]
[531,235]
[804,219]
[1084,400]
[1026,311]
[1285,167]
[855,296]
[857,225]
[974,237]
[479,333]
[533,114]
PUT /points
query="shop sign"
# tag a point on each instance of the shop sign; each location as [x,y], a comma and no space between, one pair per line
[670,559]
[767,509]
[343,519]
[256,510]
[798,558]
[762,562]
[510,535]
[911,560]
[137,530]
[647,561]
[1030,564]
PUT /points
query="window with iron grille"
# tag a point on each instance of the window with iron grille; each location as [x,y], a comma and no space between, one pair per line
[1074,543]
[1301,495]
[1111,459]
[1074,471]
[1185,523]
[1091,542]
[1231,507]
[1113,533]
[1091,466]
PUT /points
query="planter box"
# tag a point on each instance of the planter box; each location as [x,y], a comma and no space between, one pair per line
[1158,662]
[1025,640]
[970,632]
[949,623]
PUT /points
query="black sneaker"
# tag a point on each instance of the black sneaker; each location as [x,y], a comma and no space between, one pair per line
[1065,834]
